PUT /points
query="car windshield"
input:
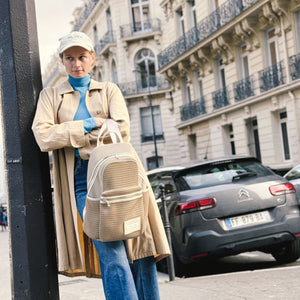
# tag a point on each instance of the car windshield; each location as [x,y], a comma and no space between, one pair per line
[219,173]
[293,174]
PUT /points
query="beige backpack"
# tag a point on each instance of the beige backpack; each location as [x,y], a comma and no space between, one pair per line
[117,196]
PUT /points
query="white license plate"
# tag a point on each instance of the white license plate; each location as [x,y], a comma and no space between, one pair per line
[248,220]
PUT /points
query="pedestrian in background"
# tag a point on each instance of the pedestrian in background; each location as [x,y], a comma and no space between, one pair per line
[67,122]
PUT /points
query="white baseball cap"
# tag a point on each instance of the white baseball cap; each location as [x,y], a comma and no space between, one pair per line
[75,38]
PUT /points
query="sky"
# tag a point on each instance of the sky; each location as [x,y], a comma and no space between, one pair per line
[53,21]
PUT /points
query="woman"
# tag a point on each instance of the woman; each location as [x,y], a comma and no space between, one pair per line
[67,121]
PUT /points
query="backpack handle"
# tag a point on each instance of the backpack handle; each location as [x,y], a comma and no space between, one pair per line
[110,128]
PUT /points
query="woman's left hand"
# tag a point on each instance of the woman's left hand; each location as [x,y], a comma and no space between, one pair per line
[99,121]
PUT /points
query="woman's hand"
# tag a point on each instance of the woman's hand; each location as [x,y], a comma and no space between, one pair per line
[99,121]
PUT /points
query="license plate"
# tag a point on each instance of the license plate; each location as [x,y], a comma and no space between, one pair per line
[248,220]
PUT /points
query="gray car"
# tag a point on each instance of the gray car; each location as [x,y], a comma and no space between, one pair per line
[227,206]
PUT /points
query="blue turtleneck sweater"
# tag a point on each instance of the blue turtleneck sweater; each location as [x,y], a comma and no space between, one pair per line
[82,85]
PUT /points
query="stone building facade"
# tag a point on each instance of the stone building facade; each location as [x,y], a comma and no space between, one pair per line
[233,72]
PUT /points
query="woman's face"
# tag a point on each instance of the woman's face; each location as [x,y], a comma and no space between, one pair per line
[78,61]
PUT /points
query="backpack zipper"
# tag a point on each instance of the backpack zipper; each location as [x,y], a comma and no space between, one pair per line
[123,198]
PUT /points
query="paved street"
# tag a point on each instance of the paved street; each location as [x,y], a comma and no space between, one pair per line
[275,283]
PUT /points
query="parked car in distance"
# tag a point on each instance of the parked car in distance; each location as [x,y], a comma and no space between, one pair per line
[293,176]
[227,206]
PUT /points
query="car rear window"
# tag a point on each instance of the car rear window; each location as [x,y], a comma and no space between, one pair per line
[294,174]
[219,173]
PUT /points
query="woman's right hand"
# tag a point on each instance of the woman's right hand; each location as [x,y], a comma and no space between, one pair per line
[99,121]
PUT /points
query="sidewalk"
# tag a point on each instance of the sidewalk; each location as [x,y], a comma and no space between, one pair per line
[278,283]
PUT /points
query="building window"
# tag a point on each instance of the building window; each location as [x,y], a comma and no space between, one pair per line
[114,73]
[221,80]
[192,13]
[108,20]
[140,15]
[186,90]
[284,135]
[198,85]
[297,25]
[253,138]
[231,139]
[145,69]
[151,162]
[244,62]
[146,124]
[272,47]
[180,22]
[229,145]
[192,144]
[95,34]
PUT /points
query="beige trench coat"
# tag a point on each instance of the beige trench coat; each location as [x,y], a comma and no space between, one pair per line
[55,130]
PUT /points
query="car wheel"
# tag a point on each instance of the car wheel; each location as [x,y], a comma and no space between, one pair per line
[288,252]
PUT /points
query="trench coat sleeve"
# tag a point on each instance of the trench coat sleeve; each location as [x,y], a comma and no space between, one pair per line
[50,135]
[115,108]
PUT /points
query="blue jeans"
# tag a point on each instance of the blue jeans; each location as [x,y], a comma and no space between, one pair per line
[121,280]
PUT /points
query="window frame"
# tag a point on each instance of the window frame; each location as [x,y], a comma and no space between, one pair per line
[284,136]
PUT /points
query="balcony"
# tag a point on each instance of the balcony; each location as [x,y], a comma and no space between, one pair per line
[106,41]
[294,63]
[220,98]
[192,109]
[140,87]
[140,28]
[84,16]
[213,22]
[243,89]
[270,77]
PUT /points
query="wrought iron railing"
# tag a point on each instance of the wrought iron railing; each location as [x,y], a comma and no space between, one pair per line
[294,62]
[217,19]
[149,137]
[243,89]
[108,38]
[270,77]
[138,87]
[140,28]
[192,109]
[87,10]
[220,98]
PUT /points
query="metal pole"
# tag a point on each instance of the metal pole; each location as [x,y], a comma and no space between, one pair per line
[32,239]
[170,261]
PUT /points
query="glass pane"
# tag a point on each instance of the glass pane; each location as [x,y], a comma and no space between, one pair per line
[146,17]
[136,19]
[223,81]
[245,66]
[257,146]
[147,129]
[285,140]
[273,53]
